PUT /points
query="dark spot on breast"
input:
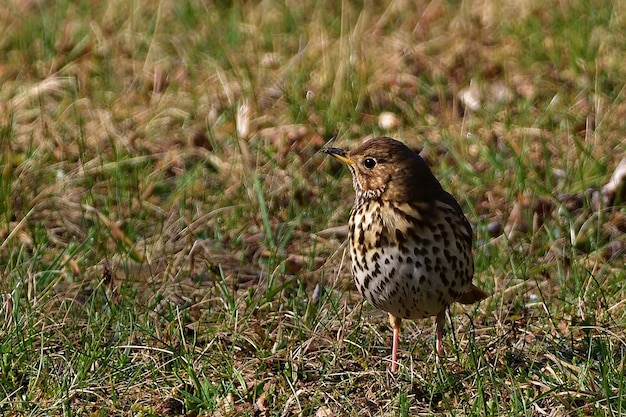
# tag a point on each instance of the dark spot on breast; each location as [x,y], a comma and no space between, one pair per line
[362,237]
[393,292]
[403,248]
[411,219]
[420,251]
[376,271]
[367,280]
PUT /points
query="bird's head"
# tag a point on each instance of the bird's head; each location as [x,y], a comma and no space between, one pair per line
[386,168]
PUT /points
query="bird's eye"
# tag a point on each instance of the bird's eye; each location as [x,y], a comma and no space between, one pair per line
[369,163]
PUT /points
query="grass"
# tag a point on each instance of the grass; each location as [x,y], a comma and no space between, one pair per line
[171,239]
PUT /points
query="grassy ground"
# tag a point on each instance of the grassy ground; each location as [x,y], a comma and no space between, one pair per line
[171,241]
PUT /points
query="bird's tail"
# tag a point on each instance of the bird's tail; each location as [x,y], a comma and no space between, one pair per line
[473,295]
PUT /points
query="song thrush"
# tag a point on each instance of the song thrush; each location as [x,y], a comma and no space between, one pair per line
[410,243]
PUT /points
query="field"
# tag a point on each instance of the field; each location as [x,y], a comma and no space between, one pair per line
[172,242]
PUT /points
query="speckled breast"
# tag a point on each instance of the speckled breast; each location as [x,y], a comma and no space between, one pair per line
[404,265]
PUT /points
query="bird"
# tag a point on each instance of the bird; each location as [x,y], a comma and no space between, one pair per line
[410,244]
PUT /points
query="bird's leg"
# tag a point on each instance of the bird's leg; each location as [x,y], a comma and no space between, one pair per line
[395,324]
[440,321]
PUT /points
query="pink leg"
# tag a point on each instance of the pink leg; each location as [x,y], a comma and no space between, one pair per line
[395,324]
[439,343]
[394,350]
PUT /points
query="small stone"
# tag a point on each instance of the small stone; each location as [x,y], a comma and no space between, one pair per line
[494,228]
[388,120]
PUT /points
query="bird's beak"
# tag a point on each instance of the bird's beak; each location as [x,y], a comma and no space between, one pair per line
[339,154]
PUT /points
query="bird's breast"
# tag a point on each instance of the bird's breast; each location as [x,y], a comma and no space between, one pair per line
[403,264]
